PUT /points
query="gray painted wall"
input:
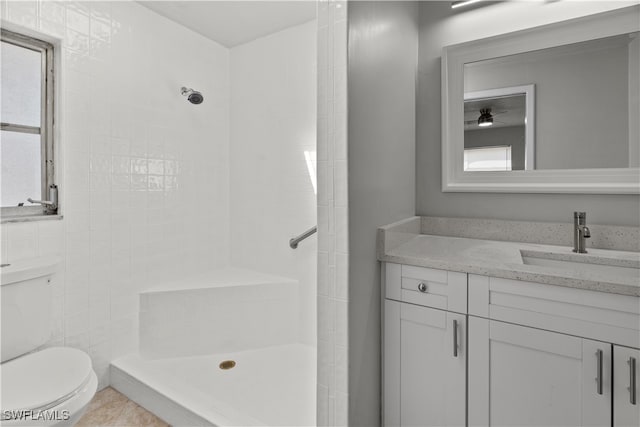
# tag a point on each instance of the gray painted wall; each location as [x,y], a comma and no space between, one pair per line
[383,49]
[441,26]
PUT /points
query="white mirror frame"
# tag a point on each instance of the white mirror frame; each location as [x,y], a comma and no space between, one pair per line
[530,115]
[594,181]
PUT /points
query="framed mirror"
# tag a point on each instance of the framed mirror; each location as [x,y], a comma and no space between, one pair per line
[552,109]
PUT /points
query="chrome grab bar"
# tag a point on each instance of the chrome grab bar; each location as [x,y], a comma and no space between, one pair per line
[293,243]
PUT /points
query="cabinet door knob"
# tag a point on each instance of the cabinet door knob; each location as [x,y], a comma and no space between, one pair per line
[422,287]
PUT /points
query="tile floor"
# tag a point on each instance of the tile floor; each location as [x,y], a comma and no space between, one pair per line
[111,408]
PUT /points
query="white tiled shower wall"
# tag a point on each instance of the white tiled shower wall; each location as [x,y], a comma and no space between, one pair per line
[273,125]
[145,195]
[333,244]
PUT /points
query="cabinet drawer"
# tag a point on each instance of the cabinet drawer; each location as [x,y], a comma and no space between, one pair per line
[590,314]
[428,287]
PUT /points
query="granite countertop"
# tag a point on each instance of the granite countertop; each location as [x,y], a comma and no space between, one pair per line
[404,245]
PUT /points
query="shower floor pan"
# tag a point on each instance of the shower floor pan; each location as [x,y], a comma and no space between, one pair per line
[272,386]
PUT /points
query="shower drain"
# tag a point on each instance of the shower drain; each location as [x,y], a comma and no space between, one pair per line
[227,364]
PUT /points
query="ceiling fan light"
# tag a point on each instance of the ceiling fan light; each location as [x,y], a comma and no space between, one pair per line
[485,119]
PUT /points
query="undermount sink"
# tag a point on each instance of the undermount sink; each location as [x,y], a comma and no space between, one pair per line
[583,263]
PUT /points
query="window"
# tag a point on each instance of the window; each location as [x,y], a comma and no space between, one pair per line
[487,159]
[26,136]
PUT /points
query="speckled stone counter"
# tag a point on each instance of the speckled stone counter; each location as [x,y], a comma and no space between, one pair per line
[405,242]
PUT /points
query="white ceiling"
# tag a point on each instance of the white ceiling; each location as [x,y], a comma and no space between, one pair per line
[231,23]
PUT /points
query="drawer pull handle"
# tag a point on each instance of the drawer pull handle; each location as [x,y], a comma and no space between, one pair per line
[599,372]
[632,380]
[422,287]
[455,338]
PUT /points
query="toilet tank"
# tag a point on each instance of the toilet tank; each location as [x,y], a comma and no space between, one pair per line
[26,305]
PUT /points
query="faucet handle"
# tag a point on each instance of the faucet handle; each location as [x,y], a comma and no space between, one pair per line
[579,215]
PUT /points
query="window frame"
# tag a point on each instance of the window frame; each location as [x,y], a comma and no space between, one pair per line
[46,128]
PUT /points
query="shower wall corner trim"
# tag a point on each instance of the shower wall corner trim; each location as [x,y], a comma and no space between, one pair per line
[333,250]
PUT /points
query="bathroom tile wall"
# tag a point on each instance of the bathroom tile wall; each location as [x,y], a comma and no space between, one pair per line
[273,129]
[333,244]
[143,174]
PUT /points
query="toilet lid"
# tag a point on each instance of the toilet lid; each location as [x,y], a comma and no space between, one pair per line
[46,377]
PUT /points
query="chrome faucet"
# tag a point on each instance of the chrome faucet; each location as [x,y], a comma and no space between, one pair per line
[580,232]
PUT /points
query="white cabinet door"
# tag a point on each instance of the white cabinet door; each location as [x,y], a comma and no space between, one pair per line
[425,366]
[520,376]
[626,387]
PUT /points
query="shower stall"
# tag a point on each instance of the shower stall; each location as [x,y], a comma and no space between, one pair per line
[232,341]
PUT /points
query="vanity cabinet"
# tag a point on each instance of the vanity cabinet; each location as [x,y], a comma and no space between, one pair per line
[425,366]
[525,376]
[626,386]
[424,347]
[550,355]
[527,353]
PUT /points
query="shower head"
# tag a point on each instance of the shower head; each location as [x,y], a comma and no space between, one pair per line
[193,96]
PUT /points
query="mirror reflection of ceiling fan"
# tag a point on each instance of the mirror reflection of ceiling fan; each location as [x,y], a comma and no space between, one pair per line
[486,118]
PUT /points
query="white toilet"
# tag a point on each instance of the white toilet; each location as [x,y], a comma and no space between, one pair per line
[50,387]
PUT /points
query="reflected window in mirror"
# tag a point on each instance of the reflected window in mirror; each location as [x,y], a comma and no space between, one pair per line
[487,158]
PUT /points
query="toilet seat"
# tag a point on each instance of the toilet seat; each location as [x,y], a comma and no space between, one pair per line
[44,379]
